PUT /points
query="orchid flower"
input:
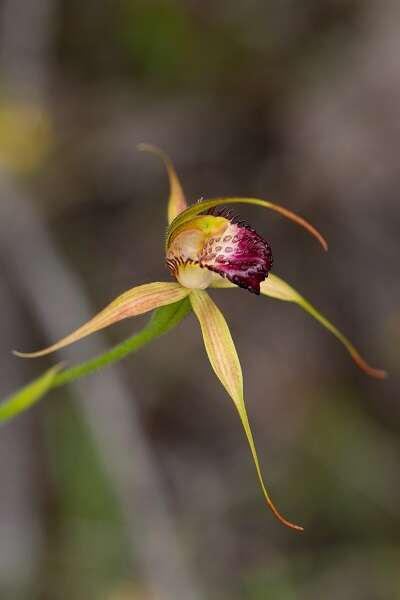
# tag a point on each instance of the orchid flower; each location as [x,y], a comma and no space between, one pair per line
[205,247]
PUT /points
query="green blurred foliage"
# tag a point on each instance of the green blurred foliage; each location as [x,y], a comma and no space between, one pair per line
[87,554]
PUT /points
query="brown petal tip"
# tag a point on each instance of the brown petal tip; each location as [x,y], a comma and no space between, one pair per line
[371,371]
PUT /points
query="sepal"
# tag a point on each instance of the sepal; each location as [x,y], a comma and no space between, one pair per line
[224,360]
[279,289]
[137,301]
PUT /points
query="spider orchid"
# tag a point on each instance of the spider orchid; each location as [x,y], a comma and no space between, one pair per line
[207,248]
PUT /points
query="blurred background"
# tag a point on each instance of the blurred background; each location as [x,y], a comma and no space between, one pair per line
[137,483]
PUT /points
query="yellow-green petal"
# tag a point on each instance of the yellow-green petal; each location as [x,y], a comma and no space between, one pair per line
[224,360]
[222,283]
[205,205]
[137,301]
[28,395]
[177,201]
[279,289]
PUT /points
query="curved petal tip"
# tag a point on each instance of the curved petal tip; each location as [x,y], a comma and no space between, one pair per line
[282,519]
[145,147]
[177,201]
[23,354]
[364,366]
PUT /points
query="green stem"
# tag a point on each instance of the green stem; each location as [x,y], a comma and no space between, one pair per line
[163,320]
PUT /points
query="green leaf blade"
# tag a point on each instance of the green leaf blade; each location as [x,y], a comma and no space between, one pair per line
[28,395]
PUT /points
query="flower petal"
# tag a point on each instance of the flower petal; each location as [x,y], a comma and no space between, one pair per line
[28,395]
[279,289]
[205,205]
[188,240]
[240,254]
[225,363]
[177,201]
[221,283]
[138,300]
[222,245]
